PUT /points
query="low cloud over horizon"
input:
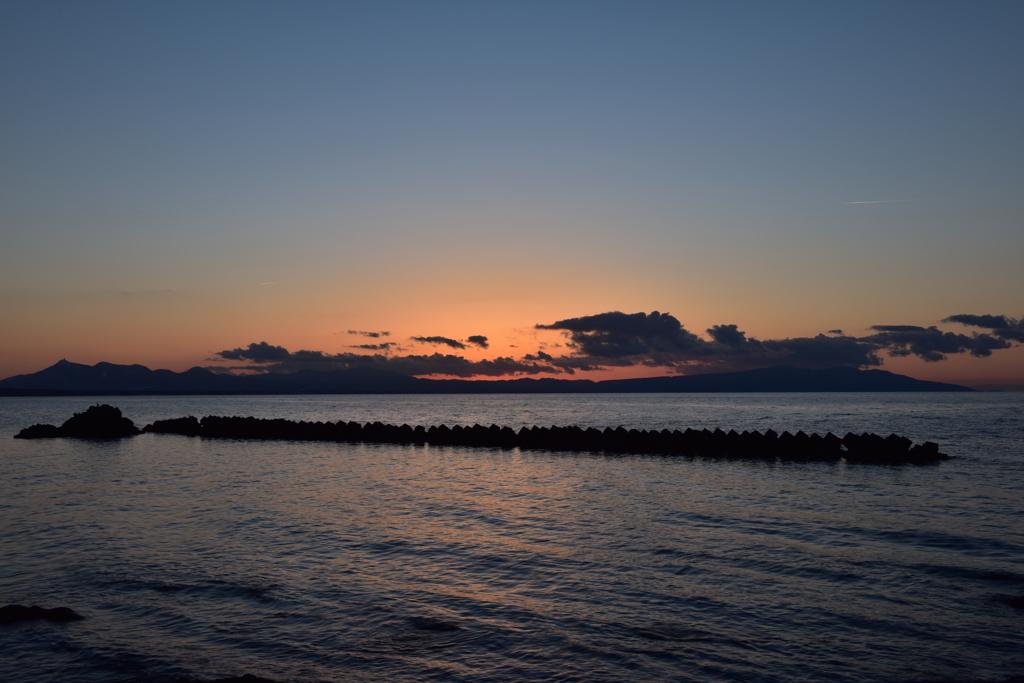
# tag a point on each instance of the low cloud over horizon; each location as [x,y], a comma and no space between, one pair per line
[372,335]
[653,340]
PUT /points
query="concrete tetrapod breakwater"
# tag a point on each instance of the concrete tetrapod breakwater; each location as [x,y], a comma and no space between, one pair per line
[753,445]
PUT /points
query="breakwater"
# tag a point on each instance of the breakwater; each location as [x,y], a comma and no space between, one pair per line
[107,422]
[750,445]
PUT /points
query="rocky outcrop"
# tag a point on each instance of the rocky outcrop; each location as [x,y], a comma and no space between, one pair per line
[97,422]
[39,431]
[12,614]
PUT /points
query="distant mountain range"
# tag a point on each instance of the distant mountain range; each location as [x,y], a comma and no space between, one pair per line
[106,379]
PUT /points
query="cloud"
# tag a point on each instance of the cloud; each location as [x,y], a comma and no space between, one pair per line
[1001,326]
[820,351]
[990,321]
[615,334]
[263,352]
[457,366]
[454,343]
[885,201]
[257,353]
[281,360]
[931,344]
[372,335]
[727,334]
[383,346]
[898,328]
[657,341]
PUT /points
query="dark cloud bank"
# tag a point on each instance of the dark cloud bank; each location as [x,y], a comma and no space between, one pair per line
[657,341]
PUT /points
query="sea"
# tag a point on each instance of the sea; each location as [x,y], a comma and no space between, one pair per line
[309,562]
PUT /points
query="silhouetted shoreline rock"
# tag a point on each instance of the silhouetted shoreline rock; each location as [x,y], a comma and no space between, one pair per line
[97,422]
[12,614]
[39,431]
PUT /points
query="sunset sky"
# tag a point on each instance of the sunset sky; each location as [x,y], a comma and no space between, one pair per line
[181,180]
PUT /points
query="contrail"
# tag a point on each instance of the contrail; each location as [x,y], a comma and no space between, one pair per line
[884,201]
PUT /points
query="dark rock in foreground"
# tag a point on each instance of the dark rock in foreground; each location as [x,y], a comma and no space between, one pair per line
[12,614]
[97,422]
[247,678]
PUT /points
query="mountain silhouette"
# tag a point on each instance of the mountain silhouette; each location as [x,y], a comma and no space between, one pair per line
[66,378]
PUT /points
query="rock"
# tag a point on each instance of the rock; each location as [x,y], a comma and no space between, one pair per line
[38,431]
[97,422]
[11,614]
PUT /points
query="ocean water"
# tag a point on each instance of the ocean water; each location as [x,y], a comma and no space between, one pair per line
[309,562]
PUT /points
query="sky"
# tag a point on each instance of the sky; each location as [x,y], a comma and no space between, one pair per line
[598,189]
